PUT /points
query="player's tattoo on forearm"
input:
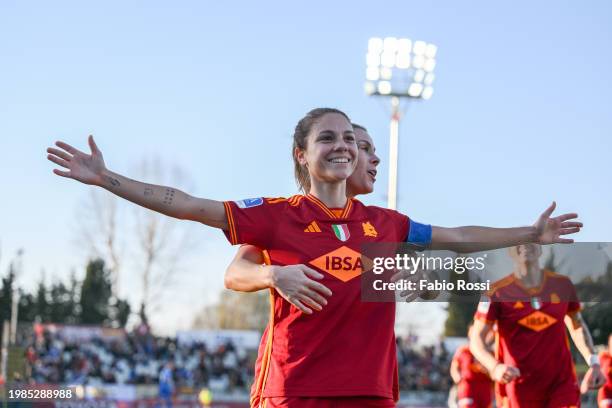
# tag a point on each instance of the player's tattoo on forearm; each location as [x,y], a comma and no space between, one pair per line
[169,196]
[112,181]
[148,191]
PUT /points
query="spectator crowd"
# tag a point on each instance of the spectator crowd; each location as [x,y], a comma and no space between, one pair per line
[424,369]
[136,358]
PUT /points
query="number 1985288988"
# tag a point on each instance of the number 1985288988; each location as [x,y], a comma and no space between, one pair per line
[39,394]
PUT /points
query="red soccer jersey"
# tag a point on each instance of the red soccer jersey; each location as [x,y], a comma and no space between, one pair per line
[469,368]
[532,334]
[475,381]
[348,348]
[605,392]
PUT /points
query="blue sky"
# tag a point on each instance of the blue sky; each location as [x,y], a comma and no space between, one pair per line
[520,115]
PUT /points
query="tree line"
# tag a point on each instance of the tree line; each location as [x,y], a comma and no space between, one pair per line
[87,302]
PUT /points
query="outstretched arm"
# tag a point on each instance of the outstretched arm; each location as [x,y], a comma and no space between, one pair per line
[584,343]
[91,169]
[295,283]
[546,230]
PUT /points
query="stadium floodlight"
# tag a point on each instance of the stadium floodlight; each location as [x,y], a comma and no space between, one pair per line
[399,68]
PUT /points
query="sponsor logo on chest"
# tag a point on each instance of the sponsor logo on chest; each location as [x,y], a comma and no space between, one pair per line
[342,263]
[537,321]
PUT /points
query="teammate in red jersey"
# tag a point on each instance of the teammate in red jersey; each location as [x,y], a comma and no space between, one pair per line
[472,378]
[530,307]
[604,397]
[327,354]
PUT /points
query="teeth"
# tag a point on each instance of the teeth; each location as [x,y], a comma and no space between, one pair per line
[339,160]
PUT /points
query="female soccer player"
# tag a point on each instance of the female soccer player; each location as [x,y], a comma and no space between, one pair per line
[475,388]
[532,308]
[604,396]
[325,359]
[297,283]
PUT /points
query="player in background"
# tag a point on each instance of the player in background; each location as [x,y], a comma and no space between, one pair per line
[321,371]
[474,386]
[532,308]
[604,396]
[166,384]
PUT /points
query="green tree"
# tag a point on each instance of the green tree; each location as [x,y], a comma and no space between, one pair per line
[598,318]
[460,315]
[461,307]
[598,312]
[73,295]
[27,307]
[95,294]
[6,297]
[41,302]
[122,312]
[62,304]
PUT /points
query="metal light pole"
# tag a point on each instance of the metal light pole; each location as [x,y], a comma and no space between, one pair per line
[393,152]
[397,68]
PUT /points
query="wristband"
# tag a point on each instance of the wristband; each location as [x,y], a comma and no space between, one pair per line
[593,360]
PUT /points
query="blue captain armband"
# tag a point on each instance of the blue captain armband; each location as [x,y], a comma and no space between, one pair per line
[419,235]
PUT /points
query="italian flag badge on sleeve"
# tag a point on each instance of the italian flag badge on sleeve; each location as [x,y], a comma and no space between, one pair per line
[341,231]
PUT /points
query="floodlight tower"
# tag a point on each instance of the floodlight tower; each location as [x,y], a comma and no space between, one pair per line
[398,68]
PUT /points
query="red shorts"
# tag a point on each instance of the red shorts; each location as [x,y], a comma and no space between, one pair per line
[474,394]
[558,398]
[330,402]
[604,397]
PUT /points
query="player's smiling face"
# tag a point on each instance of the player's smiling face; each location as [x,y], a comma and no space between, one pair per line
[331,149]
[363,178]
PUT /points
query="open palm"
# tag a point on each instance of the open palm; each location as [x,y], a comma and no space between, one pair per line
[550,229]
[86,168]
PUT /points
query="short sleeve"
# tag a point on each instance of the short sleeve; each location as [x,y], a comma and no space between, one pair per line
[488,311]
[400,224]
[252,221]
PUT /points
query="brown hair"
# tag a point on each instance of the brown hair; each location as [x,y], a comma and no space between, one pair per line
[357,126]
[302,129]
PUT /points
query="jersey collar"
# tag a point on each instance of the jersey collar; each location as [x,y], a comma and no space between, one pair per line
[537,289]
[345,211]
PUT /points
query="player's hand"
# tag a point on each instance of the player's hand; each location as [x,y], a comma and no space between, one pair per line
[413,276]
[550,229]
[503,373]
[297,285]
[86,168]
[593,379]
